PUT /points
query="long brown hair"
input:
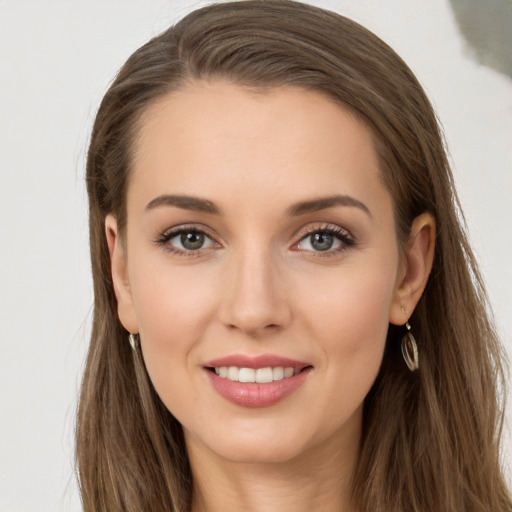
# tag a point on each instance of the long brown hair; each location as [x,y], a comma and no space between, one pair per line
[430,438]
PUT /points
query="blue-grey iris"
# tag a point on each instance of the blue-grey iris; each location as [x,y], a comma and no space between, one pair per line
[192,240]
[322,241]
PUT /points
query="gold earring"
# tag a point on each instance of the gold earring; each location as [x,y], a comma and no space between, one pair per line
[410,350]
[134,341]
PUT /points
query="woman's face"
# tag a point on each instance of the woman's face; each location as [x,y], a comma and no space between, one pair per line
[259,236]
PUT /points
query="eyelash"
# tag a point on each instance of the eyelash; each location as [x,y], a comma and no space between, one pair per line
[164,238]
[346,239]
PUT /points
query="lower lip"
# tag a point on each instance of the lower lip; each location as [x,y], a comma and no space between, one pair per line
[254,394]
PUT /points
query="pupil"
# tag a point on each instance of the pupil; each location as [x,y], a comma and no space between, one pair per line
[321,241]
[192,240]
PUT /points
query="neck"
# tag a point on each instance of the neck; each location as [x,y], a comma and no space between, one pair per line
[318,479]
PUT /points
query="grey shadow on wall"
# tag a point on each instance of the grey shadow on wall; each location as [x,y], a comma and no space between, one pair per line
[486,26]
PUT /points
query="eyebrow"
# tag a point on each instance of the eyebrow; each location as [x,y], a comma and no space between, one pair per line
[204,205]
[184,202]
[322,203]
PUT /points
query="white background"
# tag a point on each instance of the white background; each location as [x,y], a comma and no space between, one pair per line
[56,61]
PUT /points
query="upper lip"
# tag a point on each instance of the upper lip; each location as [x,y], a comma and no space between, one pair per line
[261,361]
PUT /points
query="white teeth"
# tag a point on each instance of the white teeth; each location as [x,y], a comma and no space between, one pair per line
[247,375]
[233,373]
[260,375]
[264,375]
[278,373]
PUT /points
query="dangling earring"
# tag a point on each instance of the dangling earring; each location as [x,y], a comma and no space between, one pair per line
[134,341]
[410,349]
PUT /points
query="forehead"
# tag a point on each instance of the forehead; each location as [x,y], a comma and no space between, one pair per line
[226,140]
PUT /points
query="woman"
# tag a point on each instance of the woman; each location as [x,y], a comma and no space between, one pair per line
[287,311]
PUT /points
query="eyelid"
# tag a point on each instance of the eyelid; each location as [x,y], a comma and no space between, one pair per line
[180,228]
[323,226]
[342,234]
[162,238]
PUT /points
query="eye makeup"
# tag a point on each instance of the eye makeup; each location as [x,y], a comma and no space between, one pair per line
[191,240]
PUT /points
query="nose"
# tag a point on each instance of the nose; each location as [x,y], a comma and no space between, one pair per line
[254,298]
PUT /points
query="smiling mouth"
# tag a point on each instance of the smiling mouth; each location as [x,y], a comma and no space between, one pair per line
[256,381]
[256,375]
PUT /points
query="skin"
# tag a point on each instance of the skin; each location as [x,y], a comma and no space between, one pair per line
[259,286]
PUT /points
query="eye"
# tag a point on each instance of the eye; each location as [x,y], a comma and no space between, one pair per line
[327,240]
[320,241]
[191,240]
[185,241]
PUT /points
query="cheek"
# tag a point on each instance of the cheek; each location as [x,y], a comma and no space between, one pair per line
[173,309]
[169,302]
[353,302]
[348,315]
[348,322]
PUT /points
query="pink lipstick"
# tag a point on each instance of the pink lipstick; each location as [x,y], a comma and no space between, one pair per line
[259,381]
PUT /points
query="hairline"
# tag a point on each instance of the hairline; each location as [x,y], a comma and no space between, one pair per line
[189,81]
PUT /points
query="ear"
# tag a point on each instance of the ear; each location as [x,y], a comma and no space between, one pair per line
[413,277]
[119,269]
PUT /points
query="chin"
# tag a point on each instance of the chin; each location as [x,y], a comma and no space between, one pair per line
[279,452]
[259,442]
